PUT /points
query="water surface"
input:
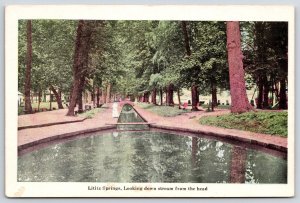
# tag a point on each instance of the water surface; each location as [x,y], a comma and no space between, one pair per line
[147,156]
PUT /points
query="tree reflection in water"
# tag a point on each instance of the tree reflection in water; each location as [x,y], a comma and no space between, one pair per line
[150,157]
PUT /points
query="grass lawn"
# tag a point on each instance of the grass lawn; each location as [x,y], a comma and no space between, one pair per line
[166,111]
[91,113]
[274,123]
[46,105]
[34,105]
[217,107]
[20,110]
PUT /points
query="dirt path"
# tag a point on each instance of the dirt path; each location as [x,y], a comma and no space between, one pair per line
[186,122]
[34,134]
[190,121]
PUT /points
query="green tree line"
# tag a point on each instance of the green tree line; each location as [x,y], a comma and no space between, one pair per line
[143,59]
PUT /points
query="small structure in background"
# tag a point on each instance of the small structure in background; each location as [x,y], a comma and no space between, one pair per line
[20,98]
[115,113]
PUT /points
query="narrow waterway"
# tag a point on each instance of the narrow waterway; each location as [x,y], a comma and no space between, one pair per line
[130,115]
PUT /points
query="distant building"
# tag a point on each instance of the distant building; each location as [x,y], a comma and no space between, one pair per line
[20,98]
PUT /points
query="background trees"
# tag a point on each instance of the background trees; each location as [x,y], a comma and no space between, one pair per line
[52,46]
[27,86]
[139,59]
[265,49]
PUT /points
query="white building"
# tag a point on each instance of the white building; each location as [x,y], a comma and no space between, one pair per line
[20,98]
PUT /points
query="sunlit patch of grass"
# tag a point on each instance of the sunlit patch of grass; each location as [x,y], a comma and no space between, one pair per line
[165,111]
[274,123]
[91,113]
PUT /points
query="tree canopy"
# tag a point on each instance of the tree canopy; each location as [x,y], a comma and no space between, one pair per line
[138,58]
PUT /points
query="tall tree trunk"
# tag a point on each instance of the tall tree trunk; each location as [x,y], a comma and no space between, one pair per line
[27,86]
[146,97]
[104,95]
[80,64]
[57,96]
[214,98]
[161,96]
[79,102]
[98,97]
[272,90]
[153,97]
[178,95]
[277,91]
[143,97]
[94,96]
[186,38]
[50,107]
[197,97]
[238,165]
[40,98]
[239,100]
[259,103]
[44,96]
[80,94]
[170,95]
[266,94]
[282,95]
[108,93]
[77,66]
[194,91]
[167,97]
[194,97]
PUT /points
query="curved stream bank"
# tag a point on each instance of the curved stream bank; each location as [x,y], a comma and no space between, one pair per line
[32,137]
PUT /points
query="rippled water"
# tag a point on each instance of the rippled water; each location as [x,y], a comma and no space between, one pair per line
[150,157]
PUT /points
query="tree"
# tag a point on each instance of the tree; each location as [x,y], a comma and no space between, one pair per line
[27,85]
[279,42]
[265,49]
[80,55]
[195,96]
[52,51]
[239,100]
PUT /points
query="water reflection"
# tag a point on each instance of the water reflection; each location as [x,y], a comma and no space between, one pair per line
[150,157]
[238,165]
[129,115]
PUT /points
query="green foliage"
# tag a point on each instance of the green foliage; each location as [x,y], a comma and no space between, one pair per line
[264,46]
[20,110]
[165,111]
[53,48]
[208,61]
[137,56]
[45,105]
[274,123]
[217,107]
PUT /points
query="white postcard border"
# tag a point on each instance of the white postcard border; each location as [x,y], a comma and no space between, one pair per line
[137,12]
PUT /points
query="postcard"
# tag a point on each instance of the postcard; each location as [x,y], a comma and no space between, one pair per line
[149,101]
